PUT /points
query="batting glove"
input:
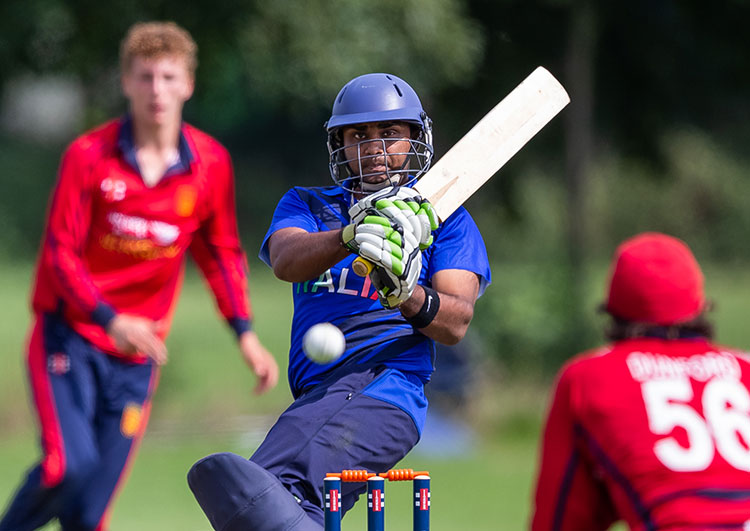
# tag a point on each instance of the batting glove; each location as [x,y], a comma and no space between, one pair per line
[395,289]
[375,240]
[404,208]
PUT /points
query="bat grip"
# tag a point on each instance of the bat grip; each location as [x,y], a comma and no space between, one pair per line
[362,267]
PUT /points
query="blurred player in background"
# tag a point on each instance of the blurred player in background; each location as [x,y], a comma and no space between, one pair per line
[365,410]
[133,196]
[654,428]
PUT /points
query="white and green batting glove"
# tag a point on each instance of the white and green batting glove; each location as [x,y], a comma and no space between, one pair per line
[392,289]
[405,209]
[375,240]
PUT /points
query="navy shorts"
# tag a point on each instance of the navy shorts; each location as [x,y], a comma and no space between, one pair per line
[337,426]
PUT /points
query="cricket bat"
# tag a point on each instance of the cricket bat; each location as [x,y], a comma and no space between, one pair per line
[499,135]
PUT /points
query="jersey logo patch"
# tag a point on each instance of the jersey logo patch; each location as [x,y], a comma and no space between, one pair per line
[113,189]
[130,423]
[185,199]
[58,363]
[142,238]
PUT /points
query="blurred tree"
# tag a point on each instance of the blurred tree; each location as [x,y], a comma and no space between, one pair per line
[654,139]
[291,54]
[657,62]
[302,54]
[638,74]
[268,71]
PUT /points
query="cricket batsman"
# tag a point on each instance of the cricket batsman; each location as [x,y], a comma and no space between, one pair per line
[652,429]
[133,197]
[366,409]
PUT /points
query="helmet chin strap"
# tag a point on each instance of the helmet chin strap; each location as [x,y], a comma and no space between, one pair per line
[392,180]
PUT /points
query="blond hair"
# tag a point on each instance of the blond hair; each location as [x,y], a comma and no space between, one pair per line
[157,39]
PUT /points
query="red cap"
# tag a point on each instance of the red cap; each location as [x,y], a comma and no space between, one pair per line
[656,280]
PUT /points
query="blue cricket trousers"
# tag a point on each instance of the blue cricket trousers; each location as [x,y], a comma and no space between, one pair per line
[92,410]
[343,423]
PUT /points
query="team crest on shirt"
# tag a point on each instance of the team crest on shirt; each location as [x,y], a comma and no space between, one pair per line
[185,197]
[130,423]
[58,363]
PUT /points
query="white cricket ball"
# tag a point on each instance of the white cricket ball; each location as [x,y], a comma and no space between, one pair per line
[323,343]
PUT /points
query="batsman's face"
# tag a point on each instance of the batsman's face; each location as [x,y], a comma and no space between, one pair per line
[157,88]
[374,148]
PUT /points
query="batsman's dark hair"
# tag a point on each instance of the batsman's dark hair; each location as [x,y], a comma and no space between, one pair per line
[619,329]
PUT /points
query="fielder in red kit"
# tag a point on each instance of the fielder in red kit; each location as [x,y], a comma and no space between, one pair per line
[133,197]
[654,428]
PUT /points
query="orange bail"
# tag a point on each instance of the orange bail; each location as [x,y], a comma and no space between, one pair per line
[397,474]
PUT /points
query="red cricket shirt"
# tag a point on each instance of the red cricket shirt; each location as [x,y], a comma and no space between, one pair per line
[113,244]
[653,432]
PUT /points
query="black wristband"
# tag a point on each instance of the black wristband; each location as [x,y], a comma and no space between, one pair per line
[428,311]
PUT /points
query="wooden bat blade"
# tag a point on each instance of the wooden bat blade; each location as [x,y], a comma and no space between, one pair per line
[492,142]
[474,159]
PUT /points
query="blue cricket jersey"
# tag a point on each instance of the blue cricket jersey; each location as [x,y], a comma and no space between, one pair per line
[374,335]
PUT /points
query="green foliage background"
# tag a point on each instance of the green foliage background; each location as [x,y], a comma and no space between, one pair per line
[204,404]
[670,125]
[670,122]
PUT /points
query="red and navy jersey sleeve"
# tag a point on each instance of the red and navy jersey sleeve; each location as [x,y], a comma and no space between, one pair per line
[216,247]
[568,496]
[63,268]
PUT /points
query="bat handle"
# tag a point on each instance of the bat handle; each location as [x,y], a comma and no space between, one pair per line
[362,267]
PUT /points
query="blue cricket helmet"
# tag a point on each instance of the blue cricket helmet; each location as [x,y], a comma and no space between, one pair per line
[378,97]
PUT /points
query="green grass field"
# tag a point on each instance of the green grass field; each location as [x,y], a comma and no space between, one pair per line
[205,404]
[487,487]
